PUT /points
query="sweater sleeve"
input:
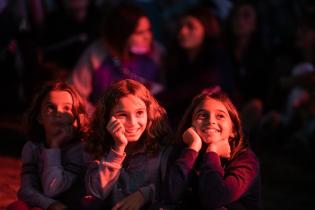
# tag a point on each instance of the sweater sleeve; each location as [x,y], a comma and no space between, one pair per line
[178,175]
[102,175]
[59,174]
[219,187]
[30,190]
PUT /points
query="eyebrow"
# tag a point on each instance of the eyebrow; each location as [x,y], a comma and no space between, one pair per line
[204,110]
[51,103]
[122,110]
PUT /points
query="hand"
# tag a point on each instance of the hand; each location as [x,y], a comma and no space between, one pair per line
[221,147]
[60,135]
[117,130]
[192,139]
[57,206]
[133,201]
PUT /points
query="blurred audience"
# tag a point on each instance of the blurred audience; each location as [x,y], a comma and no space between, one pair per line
[126,49]
[65,34]
[195,60]
[249,55]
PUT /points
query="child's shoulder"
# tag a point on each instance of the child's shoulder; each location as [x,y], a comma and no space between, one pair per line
[31,151]
[246,157]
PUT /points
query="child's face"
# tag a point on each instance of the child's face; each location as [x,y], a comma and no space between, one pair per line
[131,111]
[56,110]
[212,121]
[191,33]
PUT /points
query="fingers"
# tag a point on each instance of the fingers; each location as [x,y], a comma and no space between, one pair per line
[114,126]
[61,136]
[123,204]
[192,139]
[133,201]
[117,206]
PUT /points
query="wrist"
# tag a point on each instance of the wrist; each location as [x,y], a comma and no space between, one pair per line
[120,149]
[212,148]
[194,147]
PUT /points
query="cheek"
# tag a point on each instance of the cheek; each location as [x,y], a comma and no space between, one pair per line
[122,120]
[227,129]
[143,121]
[195,39]
[44,118]
[196,124]
[135,40]
[199,36]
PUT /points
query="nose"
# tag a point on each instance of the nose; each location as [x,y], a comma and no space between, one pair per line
[132,120]
[59,111]
[212,120]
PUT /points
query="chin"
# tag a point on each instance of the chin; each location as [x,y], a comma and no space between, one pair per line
[133,138]
[206,141]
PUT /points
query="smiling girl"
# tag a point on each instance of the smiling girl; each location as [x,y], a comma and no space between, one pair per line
[215,168]
[128,133]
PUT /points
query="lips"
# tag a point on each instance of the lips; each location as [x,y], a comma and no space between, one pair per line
[132,131]
[210,130]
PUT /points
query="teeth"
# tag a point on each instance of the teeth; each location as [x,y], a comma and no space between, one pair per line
[211,130]
[132,131]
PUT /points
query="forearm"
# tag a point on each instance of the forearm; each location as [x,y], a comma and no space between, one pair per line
[178,175]
[102,175]
[57,178]
[31,194]
[219,187]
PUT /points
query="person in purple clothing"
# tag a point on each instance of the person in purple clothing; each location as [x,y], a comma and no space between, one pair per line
[214,167]
[52,160]
[127,143]
[126,49]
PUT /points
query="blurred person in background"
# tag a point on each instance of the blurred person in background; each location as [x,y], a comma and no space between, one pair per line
[247,52]
[195,61]
[126,49]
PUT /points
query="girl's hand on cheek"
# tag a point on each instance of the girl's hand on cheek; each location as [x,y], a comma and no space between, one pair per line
[117,130]
[60,136]
[221,147]
[192,139]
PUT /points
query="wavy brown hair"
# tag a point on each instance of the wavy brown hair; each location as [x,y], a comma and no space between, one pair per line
[35,130]
[238,143]
[156,134]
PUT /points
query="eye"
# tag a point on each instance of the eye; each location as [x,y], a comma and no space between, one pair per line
[202,116]
[50,108]
[140,113]
[67,108]
[120,115]
[220,116]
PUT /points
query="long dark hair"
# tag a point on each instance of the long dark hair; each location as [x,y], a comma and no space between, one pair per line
[156,134]
[238,143]
[35,130]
